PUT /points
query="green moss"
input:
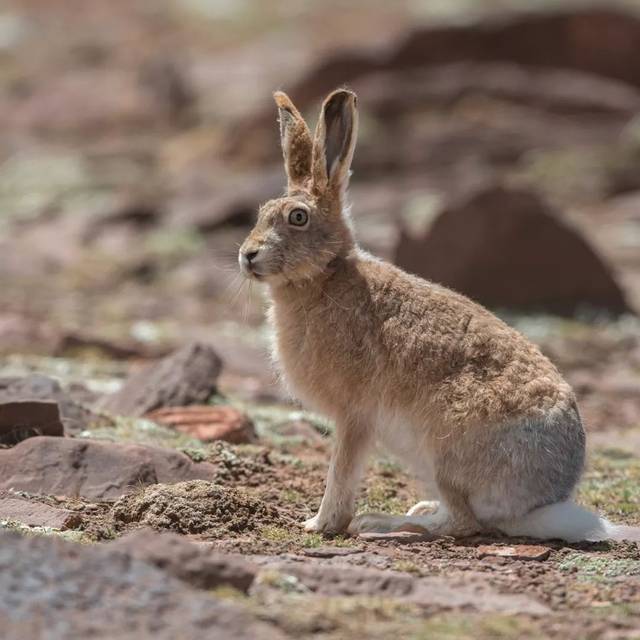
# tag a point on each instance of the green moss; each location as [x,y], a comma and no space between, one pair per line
[381,495]
[612,485]
[477,627]
[599,568]
[68,534]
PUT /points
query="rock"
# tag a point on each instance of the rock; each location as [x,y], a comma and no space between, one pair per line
[38,514]
[516,552]
[331,552]
[185,377]
[75,413]
[573,35]
[208,423]
[92,469]
[507,248]
[24,419]
[58,590]
[195,564]
[430,592]
[194,507]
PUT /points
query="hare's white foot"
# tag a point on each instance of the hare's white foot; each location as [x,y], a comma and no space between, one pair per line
[440,523]
[327,524]
[423,508]
[376,523]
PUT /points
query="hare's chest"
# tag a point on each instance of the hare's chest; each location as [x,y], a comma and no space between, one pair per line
[313,362]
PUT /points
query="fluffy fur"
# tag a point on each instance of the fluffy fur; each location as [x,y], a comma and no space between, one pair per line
[472,406]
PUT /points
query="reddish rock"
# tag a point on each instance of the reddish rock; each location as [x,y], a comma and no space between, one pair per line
[195,564]
[186,377]
[24,419]
[516,552]
[208,423]
[92,469]
[37,514]
[507,248]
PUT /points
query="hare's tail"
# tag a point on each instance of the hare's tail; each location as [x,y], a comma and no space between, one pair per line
[568,521]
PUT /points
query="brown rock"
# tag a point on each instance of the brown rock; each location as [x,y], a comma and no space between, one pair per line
[195,564]
[187,376]
[37,514]
[208,423]
[507,248]
[516,552]
[573,36]
[92,469]
[58,590]
[24,419]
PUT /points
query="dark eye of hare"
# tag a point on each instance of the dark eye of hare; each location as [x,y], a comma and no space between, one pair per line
[298,217]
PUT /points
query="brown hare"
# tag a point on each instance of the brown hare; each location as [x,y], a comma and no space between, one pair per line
[471,405]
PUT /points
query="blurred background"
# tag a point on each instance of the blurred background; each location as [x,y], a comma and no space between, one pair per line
[499,153]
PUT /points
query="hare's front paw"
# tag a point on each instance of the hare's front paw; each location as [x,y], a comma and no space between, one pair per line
[327,524]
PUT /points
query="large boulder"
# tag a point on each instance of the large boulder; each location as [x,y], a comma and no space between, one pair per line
[54,589]
[507,248]
[185,377]
[92,469]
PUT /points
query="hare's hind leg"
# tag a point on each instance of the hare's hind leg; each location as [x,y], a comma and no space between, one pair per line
[453,517]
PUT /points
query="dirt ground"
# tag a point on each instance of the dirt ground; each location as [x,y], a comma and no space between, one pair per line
[131,165]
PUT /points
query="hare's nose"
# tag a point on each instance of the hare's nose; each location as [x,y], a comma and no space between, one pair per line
[246,259]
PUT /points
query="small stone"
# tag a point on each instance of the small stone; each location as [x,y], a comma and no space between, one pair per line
[208,423]
[516,552]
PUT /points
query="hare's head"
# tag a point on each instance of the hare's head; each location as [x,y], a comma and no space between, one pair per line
[299,235]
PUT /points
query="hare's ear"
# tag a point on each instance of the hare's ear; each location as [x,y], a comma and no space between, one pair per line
[335,140]
[295,138]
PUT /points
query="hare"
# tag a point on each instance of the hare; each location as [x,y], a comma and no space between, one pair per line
[471,405]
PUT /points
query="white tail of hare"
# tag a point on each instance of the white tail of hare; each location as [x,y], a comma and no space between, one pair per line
[473,407]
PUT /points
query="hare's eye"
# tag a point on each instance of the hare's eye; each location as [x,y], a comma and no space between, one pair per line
[298,217]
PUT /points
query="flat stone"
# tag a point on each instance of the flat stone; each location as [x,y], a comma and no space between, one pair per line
[332,552]
[22,419]
[93,469]
[515,552]
[431,593]
[37,514]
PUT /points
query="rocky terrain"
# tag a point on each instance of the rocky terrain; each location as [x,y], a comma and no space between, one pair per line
[153,473]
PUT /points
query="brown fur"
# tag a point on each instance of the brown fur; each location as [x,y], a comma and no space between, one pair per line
[473,406]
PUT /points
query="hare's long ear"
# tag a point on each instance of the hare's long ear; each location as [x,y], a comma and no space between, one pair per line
[295,138]
[335,140]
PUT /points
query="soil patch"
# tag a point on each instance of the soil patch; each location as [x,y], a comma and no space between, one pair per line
[195,507]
